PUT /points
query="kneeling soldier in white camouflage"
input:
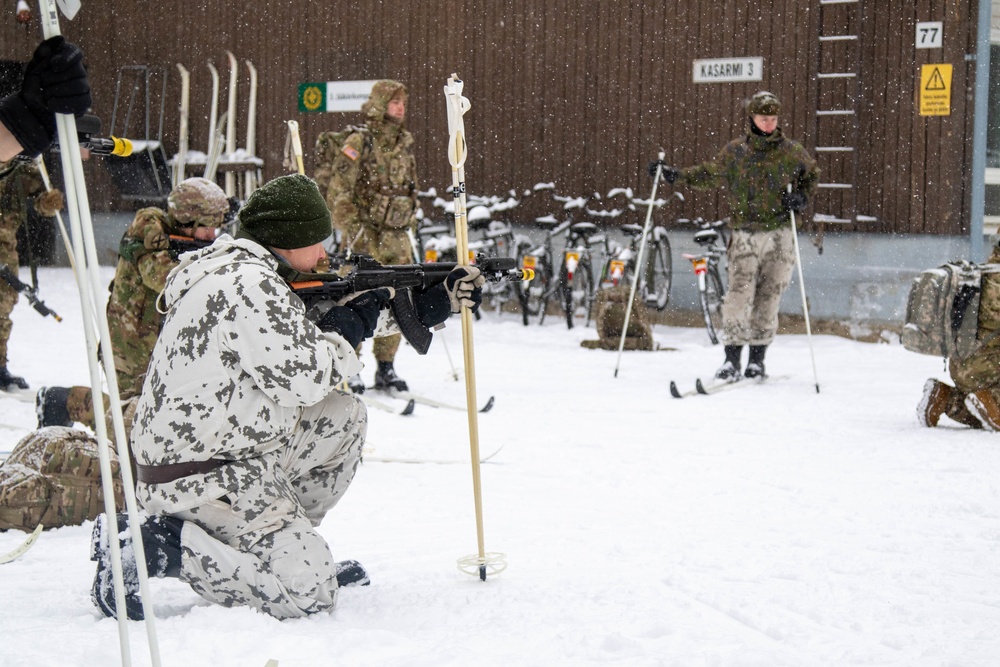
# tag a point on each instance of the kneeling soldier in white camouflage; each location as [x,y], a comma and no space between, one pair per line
[242,441]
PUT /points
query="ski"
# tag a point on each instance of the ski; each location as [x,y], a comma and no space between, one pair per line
[700,388]
[24,546]
[423,400]
[385,407]
[368,457]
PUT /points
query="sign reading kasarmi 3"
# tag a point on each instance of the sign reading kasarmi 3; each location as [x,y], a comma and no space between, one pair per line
[723,70]
[334,95]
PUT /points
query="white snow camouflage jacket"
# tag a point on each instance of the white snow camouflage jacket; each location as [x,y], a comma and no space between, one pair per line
[234,365]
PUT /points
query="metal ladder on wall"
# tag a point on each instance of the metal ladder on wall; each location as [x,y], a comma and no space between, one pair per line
[836,129]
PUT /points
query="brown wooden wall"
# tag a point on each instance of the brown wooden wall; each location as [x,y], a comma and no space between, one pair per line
[580,92]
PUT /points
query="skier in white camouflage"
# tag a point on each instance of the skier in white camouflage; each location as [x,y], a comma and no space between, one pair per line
[242,440]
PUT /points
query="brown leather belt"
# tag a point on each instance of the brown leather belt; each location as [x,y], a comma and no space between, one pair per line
[171,471]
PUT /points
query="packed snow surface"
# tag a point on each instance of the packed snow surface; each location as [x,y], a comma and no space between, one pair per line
[769,525]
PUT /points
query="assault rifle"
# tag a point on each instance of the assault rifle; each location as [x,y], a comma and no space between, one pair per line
[319,291]
[9,276]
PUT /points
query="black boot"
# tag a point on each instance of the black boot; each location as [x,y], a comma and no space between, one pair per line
[386,378]
[351,573]
[755,365]
[50,407]
[8,381]
[161,541]
[730,370]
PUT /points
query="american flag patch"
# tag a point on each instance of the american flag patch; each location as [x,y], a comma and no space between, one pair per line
[350,152]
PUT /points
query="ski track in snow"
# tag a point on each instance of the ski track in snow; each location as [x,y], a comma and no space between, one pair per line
[766,526]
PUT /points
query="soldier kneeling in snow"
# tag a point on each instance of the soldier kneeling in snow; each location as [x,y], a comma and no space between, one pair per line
[243,443]
[975,399]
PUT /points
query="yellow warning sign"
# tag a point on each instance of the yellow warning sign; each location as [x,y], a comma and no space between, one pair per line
[935,90]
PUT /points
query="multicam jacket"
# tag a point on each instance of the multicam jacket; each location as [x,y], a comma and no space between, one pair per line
[373,189]
[235,364]
[756,170]
[144,260]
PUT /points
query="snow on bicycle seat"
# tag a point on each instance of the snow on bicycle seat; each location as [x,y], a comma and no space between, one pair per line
[706,237]
[632,230]
[584,228]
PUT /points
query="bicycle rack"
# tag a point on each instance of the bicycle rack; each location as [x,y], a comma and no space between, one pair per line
[143,176]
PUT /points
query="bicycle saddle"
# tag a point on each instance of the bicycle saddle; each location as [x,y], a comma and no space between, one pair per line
[584,229]
[706,237]
[632,230]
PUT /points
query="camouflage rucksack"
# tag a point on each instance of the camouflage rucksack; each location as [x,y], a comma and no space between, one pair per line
[610,305]
[328,147]
[942,310]
[53,477]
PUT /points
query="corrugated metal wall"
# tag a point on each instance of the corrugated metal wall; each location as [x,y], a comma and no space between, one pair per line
[580,92]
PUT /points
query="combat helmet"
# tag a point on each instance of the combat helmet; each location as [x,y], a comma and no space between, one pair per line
[764,103]
[197,202]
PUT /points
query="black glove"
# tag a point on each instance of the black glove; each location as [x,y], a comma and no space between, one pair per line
[357,318]
[793,201]
[55,81]
[669,173]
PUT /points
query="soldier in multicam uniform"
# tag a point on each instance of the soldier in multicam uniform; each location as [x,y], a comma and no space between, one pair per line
[20,184]
[755,169]
[196,208]
[242,440]
[373,200]
[975,399]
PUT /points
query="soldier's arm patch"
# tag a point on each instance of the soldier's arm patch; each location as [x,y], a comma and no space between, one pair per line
[350,152]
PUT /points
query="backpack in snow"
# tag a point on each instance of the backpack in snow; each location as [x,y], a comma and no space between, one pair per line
[328,147]
[942,311]
[53,477]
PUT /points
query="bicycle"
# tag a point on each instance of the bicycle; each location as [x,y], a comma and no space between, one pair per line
[489,237]
[711,289]
[573,282]
[657,271]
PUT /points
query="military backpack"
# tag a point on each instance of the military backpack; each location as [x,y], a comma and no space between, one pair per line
[328,146]
[53,477]
[942,310]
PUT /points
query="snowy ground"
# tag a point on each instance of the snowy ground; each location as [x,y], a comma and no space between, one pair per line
[761,526]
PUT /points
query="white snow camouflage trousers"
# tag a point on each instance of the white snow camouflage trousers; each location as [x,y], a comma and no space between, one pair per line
[760,268]
[257,546]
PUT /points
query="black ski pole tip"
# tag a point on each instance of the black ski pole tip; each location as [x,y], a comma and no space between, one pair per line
[482,572]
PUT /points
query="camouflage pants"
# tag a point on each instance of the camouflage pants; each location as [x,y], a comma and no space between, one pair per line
[258,547]
[391,246]
[8,297]
[760,268]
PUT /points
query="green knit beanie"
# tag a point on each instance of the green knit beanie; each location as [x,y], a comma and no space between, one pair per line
[287,213]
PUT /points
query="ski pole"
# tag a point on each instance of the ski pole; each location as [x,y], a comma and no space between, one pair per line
[91,293]
[457,152]
[802,288]
[62,226]
[639,259]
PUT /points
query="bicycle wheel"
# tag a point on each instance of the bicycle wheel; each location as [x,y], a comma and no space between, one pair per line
[578,293]
[659,271]
[711,303]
